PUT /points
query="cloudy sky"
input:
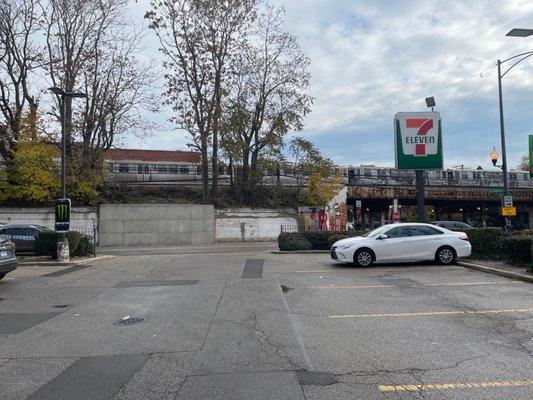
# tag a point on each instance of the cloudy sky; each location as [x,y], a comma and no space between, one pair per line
[371,59]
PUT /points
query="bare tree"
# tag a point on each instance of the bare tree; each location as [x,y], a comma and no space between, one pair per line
[19,57]
[74,31]
[199,39]
[270,97]
[117,85]
[93,47]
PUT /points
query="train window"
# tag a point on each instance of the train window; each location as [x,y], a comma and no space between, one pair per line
[123,168]
[185,169]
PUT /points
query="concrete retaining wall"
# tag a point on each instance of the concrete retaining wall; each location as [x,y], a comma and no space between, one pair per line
[81,218]
[248,225]
[155,224]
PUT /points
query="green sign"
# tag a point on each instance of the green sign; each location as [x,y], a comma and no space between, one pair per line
[531,156]
[496,190]
[418,140]
[62,212]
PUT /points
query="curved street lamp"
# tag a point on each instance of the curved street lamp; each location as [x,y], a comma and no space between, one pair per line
[516,32]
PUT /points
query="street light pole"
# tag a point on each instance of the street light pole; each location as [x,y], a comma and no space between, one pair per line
[63,147]
[502,133]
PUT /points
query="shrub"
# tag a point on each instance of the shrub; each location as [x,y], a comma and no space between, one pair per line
[334,238]
[486,243]
[85,248]
[293,241]
[46,243]
[318,239]
[315,240]
[518,249]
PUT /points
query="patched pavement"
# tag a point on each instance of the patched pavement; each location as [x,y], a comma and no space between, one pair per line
[238,322]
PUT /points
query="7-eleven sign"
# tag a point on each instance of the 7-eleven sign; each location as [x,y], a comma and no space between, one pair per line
[418,140]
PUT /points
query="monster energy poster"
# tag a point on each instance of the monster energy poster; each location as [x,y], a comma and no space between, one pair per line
[62,211]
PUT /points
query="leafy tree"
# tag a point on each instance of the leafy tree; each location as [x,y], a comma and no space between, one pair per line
[321,190]
[269,97]
[199,38]
[35,174]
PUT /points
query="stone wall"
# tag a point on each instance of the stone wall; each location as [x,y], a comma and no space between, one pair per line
[155,224]
[248,225]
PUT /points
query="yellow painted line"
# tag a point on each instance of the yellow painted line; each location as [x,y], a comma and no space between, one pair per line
[420,285]
[432,313]
[451,386]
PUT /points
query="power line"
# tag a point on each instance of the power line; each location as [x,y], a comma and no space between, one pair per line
[413,98]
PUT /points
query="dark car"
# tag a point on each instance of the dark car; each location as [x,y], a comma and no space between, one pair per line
[453,225]
[22,235]
[8,261]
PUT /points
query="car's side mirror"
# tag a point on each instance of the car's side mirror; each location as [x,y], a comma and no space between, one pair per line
[382,236]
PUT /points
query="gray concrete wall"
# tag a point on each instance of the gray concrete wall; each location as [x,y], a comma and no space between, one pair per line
[248,225]
[155,224]
[81,218]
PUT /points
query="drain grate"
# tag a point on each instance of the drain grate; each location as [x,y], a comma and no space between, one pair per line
[127,321]
[62,306]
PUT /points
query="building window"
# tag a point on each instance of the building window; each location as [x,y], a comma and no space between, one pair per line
[123,168]
[143,169]
[162,169]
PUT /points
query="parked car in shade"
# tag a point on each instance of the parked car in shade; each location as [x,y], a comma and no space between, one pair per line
[22,235]
[408,242]
[8,260]
[453,225]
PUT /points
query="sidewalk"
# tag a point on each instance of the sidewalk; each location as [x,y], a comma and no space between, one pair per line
[498,268]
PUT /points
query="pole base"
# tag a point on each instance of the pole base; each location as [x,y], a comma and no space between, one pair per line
[63,253]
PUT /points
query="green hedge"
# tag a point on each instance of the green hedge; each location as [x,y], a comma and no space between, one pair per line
[78,244]
[518,250]
[319,240]
[486,243]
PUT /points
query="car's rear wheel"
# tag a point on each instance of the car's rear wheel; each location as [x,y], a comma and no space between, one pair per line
[3,274]
[363,258]
[445,255]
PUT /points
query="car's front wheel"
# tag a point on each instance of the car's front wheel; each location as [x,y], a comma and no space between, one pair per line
[445,256]
[363,258]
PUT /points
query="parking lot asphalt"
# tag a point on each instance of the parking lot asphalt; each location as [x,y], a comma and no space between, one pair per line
[238,322]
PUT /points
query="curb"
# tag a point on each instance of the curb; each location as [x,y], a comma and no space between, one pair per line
[60,264]
[496,271]
[300,252]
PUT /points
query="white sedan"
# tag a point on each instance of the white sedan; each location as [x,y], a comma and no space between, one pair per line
[406,242]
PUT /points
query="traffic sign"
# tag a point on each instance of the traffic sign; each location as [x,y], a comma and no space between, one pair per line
[508,211]
[507,201]
[418,140]
[62,213]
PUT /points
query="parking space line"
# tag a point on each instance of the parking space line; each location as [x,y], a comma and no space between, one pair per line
[451,386]
[396,269]
[433,313]
[419,285]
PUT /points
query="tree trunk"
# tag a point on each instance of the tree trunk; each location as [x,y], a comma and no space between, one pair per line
[253,176]
[245,172]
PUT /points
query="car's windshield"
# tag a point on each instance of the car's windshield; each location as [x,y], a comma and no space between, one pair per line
[376,232]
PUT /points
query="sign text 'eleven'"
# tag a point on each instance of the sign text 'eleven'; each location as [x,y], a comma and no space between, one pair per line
[418,140]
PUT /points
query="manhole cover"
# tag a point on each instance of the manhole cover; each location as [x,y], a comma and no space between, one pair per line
[127,321]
